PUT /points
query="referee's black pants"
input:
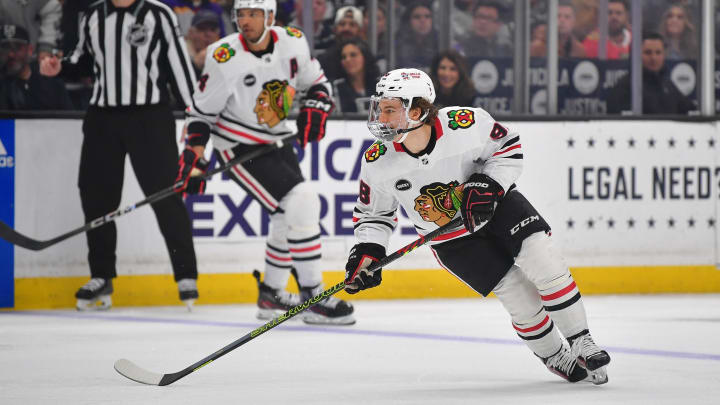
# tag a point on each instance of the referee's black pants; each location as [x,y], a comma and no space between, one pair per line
[147,135]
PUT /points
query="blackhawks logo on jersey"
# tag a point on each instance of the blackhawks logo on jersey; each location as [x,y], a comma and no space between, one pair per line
[463,118]
[273,103]
[374,152]
[223,53]
[293,32]
[439,202]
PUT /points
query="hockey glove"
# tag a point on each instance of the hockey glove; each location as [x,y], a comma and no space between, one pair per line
[190,167]
[357,276]
[480,196]
[314,111]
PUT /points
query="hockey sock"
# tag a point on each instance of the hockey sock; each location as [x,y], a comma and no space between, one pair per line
[561,299]
[305,254]
[539,334]
[277,266]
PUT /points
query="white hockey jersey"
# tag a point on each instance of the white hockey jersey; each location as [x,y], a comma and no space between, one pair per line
[246,99]
[429,187]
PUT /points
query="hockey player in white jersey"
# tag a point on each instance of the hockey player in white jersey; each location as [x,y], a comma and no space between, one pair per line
[242,100]
[459,162]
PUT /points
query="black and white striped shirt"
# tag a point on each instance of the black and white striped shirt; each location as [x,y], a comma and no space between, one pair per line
[135,52]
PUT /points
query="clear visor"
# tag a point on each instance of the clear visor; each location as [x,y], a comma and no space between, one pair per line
[387,117]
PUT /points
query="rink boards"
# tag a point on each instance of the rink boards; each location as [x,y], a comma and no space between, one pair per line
[633,206]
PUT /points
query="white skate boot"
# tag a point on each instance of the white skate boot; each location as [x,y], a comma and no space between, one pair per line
[591,357]
[188,291]
[94,295]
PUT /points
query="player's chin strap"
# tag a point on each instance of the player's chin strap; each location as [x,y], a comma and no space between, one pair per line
[405,132]
[265,32]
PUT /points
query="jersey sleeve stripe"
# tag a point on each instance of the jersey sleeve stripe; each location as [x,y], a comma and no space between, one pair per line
[510,142]
[507,150]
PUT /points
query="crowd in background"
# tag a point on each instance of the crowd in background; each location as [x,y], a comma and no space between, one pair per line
[34,29]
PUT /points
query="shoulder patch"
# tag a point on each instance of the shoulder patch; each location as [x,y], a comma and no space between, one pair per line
[223,53]
[293,32]
[374,152]
[462,118]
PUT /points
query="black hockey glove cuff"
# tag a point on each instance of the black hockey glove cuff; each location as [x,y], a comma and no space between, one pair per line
[315,108]
[480,196]
[190,167]
[357,275]
[198,134]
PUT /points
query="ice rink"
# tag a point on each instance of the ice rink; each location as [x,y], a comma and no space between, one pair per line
[665,350]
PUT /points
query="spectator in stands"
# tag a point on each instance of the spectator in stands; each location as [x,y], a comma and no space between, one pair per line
[568,45]
[679,32]
[416,43]
[21,85]
[348,24]
[382,36]
[39,18]
[322,28]
[358,75]
[586,17]
[485,40]
[660,95]
[461,19]
[451,80]
[185,10]
[619,35]
[204,31]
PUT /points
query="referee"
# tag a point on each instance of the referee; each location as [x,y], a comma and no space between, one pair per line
[136,50]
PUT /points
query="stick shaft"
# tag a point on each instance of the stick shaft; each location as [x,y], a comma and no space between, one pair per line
[170,378]
[16,238]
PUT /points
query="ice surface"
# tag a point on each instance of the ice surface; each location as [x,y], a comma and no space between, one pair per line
[665,350]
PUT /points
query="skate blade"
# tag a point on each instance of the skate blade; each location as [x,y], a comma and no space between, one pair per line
[316,319]
[102,303]
[598,376]
[265,314]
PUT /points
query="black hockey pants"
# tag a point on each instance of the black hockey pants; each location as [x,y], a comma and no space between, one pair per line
[147,135]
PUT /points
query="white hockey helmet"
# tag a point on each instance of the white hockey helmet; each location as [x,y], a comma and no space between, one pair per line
[406,85]
[265,5]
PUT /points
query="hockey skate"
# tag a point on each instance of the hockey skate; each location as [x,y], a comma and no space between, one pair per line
[94,295]
[565,364]
[330,311]
[187,288]
[591,358]
[273,302]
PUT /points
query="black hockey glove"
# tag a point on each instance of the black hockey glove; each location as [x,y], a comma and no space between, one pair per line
[314,111]
[357,276]
[190,167]
[480,196]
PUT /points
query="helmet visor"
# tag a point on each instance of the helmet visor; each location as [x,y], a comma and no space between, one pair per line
[386,116]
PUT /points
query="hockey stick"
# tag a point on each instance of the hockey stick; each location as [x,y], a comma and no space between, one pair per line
[18,239]
[134,372]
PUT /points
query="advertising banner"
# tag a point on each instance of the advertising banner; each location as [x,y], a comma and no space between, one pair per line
[616,193]
[582,88]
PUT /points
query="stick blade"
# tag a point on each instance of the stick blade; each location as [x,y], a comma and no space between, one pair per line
[14,237]
[134,372]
